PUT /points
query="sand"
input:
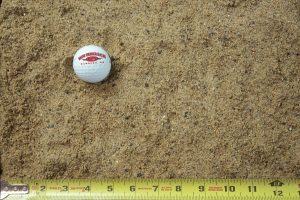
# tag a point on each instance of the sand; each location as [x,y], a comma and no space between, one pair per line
[199,89]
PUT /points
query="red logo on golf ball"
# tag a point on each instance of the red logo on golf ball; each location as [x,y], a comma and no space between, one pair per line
[92,57]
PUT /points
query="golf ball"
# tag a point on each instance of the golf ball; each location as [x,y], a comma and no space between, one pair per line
[92,64]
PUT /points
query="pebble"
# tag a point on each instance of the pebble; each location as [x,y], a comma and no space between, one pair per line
[50,125]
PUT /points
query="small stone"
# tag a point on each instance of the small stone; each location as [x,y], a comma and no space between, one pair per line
[146,85]
[290,128]
[50,125]
[187,114]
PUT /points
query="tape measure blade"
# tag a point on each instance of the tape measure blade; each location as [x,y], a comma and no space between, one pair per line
[159,189]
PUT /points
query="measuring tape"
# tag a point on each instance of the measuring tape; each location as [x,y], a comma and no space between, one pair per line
[150,189]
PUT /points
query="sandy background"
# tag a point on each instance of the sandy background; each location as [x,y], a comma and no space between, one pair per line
[199,89]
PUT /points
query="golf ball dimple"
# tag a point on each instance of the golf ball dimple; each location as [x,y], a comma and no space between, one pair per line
[92,64]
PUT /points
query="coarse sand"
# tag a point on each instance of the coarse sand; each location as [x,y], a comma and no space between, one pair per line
[199,89]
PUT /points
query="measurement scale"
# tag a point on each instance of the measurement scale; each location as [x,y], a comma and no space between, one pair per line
[151,189]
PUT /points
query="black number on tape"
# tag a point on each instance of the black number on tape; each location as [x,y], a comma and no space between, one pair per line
[43,188]
[231,188]
[110,188]
[132,188]
[178,188]
[87,188]
[65,188]
[252,188]
[278,193]
[201,188]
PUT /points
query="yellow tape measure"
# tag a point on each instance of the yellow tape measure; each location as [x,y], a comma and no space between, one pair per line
[150,189]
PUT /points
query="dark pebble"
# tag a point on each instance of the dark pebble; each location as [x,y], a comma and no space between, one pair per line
[50,125]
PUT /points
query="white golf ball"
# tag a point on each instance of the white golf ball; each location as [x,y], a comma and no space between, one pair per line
[92,64]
